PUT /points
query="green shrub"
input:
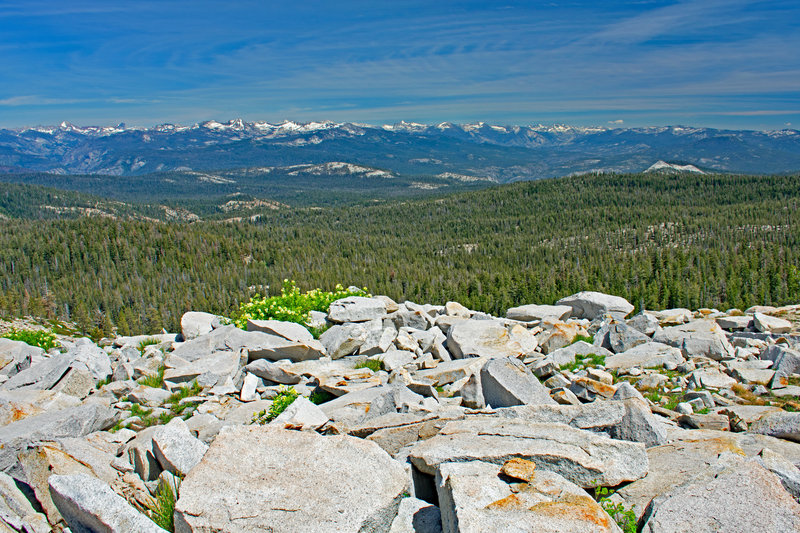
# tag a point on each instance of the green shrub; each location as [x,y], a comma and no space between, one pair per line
[161,509]
[625,518]
[43,339]
[373,364]
[155,380]
[291,305]
[285,397]
[319,396]
[149,341]
[595,360]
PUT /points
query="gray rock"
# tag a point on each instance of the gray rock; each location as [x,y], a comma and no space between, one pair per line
[531,312]
[88,506]
[752,375]
[698,338]
[585,458]
[249,386]
[626,391]
[301,414]
[644,323]
[405,318]
[148,396]
[356,309]
[786,471]
[417,516]
[343,340]
[16,356]
[196,323]
[51,425]
[734,323]
[718,503]
[639,425]
[590,304]
[645,355]
[481,338]
[457,310]
[225,339]
[215,368]
[712,379]
[290,331]
[277,372]
[622,337]
[18,404]
[256,478]
[379,337]
[16,510]
[452,371]
[782,424]
[506,382]
[771,324]
[176,449]
[471,392]
[474,498]
[567,355]
[395,359]
[40,376]
[784,360]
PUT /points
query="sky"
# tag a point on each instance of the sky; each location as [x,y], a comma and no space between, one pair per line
[715,63]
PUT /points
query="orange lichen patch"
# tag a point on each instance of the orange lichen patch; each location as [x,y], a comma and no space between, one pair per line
[512,502]
[720,444]
[597,387]
[519,468]
[574,508]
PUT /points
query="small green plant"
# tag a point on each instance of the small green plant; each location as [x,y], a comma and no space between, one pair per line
[284,398]
[161,508]
[571,367]
[653,396]
[595,360]
[319,396]
[291,305]
[703,411]
[317,332]
[185,391]
[43,339]
[672,403]
[625,518]
[373,364]
[584,338]
[103,382]
[149,341]
[154,380]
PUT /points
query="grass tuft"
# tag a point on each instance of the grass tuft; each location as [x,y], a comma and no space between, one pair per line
[373,364]
[161,508]
[285,397]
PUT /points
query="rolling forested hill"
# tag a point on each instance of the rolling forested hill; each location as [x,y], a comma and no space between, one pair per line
[660,240]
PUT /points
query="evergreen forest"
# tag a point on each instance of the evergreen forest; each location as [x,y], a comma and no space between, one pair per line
[660,240]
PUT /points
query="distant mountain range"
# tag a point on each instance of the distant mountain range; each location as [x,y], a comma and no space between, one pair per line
[449,151]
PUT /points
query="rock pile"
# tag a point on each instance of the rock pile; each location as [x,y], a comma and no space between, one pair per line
[414,418]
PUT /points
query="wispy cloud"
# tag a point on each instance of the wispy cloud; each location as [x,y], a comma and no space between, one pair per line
[34,100]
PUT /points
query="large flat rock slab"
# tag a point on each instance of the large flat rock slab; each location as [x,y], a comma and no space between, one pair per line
[474,498]
[88,505]
[590,304]
[256,478]
[585,458]
[738,496]
[51,425]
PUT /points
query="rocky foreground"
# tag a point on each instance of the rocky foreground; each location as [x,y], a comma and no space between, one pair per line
[473,423]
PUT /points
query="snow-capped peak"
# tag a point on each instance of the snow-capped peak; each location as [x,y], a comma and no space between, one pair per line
[663,165]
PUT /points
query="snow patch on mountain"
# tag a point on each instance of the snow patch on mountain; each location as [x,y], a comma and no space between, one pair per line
[664,166]
[338,168]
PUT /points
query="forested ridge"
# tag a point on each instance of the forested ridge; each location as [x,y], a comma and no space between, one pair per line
[659,240]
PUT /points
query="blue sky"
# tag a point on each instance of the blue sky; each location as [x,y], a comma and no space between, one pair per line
[719,63]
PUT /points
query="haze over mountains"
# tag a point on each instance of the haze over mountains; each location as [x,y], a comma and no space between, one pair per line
[447,151]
